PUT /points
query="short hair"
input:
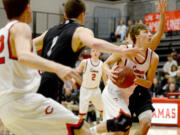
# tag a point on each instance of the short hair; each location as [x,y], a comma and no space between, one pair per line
[73,8]
[136,31]
[14,8]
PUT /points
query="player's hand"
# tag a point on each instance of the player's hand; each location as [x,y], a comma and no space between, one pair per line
[131,53]
[69,76]
[161,6]
[113,75]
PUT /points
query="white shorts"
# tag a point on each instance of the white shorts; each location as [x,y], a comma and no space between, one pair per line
[87,95]
[145,114]
[33,114]
[113,105]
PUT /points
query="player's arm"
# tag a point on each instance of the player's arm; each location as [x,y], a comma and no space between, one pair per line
[150,74]
[81,66]
[85,37]
[104,77]
[161,26]
[38,41]
[107,67]
[21,34]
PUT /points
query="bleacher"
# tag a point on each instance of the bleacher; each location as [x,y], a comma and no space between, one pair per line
[165,47]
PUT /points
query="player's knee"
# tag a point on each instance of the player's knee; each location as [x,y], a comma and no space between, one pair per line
[145,123]
[122,123]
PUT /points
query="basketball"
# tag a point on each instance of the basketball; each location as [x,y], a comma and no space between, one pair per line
[125,78]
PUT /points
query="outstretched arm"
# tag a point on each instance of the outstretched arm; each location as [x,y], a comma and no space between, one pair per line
[161,26]
[85,37]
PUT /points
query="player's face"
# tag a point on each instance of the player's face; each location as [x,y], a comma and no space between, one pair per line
[145,37]
[95,53]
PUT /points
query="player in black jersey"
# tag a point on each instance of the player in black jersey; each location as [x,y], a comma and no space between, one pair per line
[63,43]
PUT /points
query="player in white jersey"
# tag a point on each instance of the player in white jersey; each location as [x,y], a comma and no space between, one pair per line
[90,91]
[116,99]
[23,111]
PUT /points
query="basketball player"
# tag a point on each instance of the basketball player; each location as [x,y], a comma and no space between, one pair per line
[64,42]
[140,100]
[116,99]
[90,91]
[23,111]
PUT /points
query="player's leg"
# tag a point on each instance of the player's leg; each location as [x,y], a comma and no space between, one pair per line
[143,109]
[33,114]
[114,126]
[85,94]
[145,122]
[116,115]
[96,100]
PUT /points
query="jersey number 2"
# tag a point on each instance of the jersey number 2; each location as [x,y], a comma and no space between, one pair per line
[2,59]
[93,77]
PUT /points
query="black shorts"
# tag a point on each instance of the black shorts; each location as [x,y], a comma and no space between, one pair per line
[51,87]
[140,101]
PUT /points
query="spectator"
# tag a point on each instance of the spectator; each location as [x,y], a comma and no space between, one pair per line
[136,22]
[71,100]
[173,71]
[176,56]
[119,33]
[68,98]
[80,58]
[121,30]
[168,64]
[165,88]
[172,88]
[129,24]
[177,78]
[156,89]
[86,54]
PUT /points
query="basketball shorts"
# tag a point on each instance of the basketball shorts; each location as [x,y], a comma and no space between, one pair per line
[33,114]
[140,101]
[87,95]
[113,105]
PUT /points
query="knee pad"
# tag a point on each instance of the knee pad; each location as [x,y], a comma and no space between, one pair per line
[122,123]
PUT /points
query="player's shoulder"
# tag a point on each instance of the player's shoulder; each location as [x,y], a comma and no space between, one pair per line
[83,30]
[21,27]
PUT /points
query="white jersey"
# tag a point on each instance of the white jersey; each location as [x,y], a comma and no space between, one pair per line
[92,74]
[14,77]
[140,70]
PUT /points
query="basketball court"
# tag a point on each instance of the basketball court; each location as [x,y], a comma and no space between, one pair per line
[154,130]
[158,130]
